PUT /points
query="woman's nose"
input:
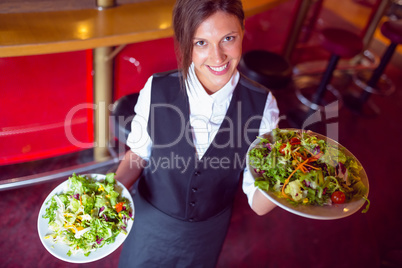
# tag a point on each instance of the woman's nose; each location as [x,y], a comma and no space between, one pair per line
[218,55]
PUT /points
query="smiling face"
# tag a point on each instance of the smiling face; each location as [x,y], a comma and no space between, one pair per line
[217,50]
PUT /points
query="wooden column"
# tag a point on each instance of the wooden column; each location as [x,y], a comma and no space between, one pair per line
[302,8]
[103,90]
[377,13]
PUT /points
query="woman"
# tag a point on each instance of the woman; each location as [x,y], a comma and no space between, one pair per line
[190,136]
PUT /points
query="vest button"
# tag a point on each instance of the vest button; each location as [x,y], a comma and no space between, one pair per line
[197,173]
[191,220]
[192,204]
[194,190]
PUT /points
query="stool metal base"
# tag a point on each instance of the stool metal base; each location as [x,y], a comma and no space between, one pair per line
[353,101]
[384,86]
[306,88]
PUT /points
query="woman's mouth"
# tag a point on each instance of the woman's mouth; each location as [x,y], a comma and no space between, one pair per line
[220,69]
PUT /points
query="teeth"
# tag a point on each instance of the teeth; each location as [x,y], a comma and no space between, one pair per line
[219,69]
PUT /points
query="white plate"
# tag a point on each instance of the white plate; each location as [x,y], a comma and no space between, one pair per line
[335,211]
[59,250]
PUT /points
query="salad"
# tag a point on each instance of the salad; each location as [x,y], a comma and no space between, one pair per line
[306,170]
[88,214]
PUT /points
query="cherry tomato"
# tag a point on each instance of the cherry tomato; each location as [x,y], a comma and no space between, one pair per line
[282,148]
[338,197]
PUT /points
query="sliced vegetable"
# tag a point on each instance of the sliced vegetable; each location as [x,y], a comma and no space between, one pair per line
[119,206]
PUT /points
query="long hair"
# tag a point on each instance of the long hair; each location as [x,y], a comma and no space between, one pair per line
[187,17]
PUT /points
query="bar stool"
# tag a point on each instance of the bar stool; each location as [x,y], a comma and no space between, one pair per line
[121,116]
[375,82]
[341,44]
[267,68]
[271,69]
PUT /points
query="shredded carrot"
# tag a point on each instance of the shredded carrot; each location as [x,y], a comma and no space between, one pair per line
[287,180]
[308,151]
[301,166]
[317,156]
[80,200]
[312,159]
[302,155]
[303,169]
[295,158]
[312,167]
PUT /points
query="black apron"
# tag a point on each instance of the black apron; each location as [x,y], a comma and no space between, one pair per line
[158,240]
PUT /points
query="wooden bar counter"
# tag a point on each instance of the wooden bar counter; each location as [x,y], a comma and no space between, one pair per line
[36,33]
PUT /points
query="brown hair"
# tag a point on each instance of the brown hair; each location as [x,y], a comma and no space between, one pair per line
[188,15]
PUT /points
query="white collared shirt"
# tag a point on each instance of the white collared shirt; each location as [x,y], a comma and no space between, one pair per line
[206,115]
[207,111]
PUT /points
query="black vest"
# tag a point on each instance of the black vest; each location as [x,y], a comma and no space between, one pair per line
[175,181]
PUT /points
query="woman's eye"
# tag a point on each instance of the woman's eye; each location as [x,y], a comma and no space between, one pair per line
[200,43]
[229,38]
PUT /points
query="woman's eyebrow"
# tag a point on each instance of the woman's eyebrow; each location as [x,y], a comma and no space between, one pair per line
[230,33]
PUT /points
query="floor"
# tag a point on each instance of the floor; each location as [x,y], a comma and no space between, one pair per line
[279,239]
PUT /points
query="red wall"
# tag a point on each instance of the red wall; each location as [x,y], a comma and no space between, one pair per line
[37,93]
[137,62]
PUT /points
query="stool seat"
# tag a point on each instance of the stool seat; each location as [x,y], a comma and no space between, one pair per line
[341,42]
[392,30]
[121,116]
[266,68]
